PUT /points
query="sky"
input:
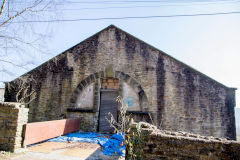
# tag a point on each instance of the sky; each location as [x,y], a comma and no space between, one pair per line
[210,44]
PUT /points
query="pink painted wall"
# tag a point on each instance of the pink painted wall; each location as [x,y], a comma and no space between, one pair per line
[41,131]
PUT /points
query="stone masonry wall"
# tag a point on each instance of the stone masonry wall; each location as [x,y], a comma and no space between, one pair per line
[88,120]
[195,103]
[162,144]
[178,97]
[12,118]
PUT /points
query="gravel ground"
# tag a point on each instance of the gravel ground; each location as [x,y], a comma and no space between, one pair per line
[60,151]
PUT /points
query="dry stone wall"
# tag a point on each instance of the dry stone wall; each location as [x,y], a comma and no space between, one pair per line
[162,144]
[12,118]
[177,96]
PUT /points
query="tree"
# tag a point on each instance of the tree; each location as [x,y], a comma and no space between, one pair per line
[19,39]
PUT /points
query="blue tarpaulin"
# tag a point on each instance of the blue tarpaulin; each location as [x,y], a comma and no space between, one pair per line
[112,145]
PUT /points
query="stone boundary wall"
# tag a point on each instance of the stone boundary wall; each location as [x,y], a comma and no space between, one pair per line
[12,118]
[162,144]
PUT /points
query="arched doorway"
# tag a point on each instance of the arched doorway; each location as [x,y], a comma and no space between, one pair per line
[103,88]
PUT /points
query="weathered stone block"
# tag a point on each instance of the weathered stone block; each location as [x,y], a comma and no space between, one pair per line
[12,128]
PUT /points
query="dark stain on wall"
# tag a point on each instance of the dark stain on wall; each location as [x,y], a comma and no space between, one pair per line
[130,46]
[59,70]
[86,51]
[88,46]
[160,73]
[188,96]
[32,109]
[230,103]
[144,51]
[118,35]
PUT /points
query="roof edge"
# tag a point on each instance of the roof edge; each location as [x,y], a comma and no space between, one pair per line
[113,26]
[110,26]
[164,53]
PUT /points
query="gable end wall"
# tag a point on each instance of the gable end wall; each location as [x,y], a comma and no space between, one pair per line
[179,98]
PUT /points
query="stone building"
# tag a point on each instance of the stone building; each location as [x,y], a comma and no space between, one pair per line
[85,80]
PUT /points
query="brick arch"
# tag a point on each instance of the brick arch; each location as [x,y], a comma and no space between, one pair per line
[117,74]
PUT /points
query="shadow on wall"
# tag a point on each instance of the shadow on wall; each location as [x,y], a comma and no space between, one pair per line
[237,117]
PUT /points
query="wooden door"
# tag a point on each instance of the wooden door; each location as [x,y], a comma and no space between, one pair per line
[108,104]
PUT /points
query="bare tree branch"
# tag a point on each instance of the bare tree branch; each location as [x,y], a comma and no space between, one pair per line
[2,7]
[7,72]
[25,93]
[18,14]
[21,43]
[21,66]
